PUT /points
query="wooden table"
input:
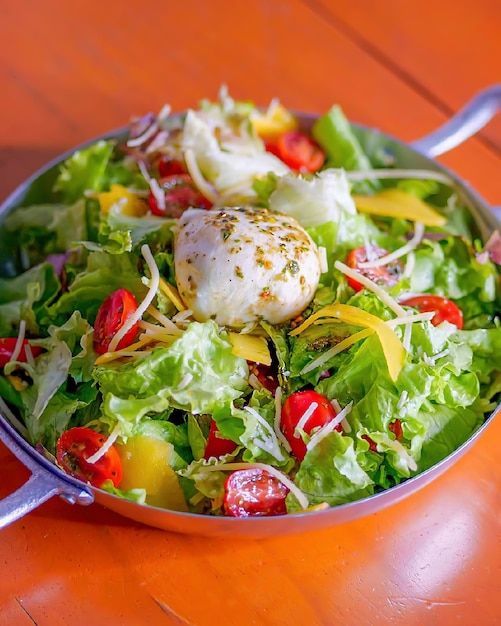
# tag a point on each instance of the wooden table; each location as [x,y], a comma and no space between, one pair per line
[71,70]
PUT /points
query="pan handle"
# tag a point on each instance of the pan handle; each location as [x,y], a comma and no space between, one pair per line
[465,123]
[41,485]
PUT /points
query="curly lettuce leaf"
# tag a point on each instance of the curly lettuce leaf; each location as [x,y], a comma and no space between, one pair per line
[331,472]
[94,168]
[197,373]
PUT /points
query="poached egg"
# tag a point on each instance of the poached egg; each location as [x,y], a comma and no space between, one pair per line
[239,265]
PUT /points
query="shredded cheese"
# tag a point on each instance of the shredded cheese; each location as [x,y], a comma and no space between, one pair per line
[371,286]
[410,246]
[186,381]
[409,266]
[410,319]
[304,418]
[143,138]
[106,446]
[195,173]
[381,174]
[160,330]
[339,347]
[164,113]
[322,257]
[395,445]
[278,418]
[328,428]
[19,343]
[138,313]
[404,396]
[156,190]
[165,321]
[285,480]
[272,445]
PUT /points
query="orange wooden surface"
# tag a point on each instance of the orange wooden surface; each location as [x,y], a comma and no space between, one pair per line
[71,70]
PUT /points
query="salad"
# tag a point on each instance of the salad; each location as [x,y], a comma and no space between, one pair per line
[228,314]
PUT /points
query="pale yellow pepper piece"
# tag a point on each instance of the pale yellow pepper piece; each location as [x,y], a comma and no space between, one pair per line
[120,196]
[275,121]
[397,203]
[145,463]
[393,349]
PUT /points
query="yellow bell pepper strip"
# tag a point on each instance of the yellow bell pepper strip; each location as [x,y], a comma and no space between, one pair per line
[127,201]
[250,348]
[397,203]
[392,346]
[275,121]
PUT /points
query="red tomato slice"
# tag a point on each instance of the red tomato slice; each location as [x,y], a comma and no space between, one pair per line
[299,151]
[76,445]
[217,444]
[180,193]
[7,346]
[444,309]
[396,429]
[384,276]
[295,406]
[254,492]
[114,312]
[168,167]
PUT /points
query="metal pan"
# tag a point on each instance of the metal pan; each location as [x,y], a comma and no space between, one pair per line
[47,480]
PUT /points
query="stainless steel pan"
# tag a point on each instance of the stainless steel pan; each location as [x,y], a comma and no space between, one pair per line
[47,480]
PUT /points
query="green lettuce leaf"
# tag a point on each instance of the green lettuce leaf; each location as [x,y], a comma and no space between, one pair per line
[330,472]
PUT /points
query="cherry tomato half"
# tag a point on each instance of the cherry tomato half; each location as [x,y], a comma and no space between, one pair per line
[254,492]
[112,315]
[76,445]
[217,444]
[7,347]
[384,276]
[180,193]
[295,406]
[298,151]
[168,166]
[444,309]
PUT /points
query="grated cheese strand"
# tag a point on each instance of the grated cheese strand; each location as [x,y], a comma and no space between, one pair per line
[395,445]
[155,188]
[138,313]
[278,417]
[322,256]
[339,347]
[298,494]
[160,330]
[19,343]
[148,133]
[371,286]
[410,246]
[304,418]
[275,448]
[397,173]
[410,319]
[106,446]
[409,266]
[329,427]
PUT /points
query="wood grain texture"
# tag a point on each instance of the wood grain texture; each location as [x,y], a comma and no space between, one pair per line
[72,70]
